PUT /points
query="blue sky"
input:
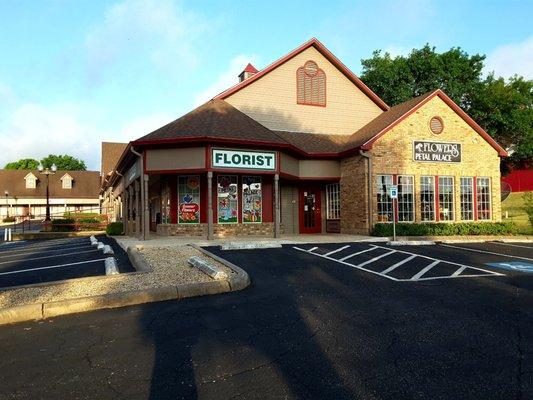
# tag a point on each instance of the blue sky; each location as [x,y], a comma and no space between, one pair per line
[74,73]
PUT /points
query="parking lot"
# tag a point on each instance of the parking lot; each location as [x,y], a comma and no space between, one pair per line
[308,327]
[38,261]
[424,263]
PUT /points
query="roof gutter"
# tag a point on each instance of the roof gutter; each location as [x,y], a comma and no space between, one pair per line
[368,157]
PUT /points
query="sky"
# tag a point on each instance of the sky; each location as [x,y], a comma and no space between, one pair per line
[74,73]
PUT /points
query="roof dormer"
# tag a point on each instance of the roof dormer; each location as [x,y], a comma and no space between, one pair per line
[31,181]
[66,181]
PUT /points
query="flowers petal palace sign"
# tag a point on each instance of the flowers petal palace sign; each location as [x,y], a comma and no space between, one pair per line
[436,152]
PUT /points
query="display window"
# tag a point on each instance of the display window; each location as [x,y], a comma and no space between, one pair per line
[252,199]
[483,199]
[384,201]
[227,199]
[446,198]
[427,198]
[467,198]
[189,199]
[406,198]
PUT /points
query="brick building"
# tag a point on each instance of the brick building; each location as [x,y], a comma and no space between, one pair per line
[304,146]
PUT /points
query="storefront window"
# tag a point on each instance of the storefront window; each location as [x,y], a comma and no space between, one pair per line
[189,199]
[446,206]
[483,199]
[252,199]
[333,209]
[227,199]
[427,198]
[165,204]
[467,199]
[384,201]
[406,199]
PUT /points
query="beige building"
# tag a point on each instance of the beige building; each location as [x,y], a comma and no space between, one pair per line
[304,146]
[24,193]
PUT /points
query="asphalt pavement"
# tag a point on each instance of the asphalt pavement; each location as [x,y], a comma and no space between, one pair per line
[308,327]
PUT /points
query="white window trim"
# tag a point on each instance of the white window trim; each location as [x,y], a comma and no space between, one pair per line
[435,200]
[460,216]
[338,192]
[398,204]
[490,198]
[448,221]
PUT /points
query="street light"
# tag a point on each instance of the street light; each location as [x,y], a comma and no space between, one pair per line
[7,205]
[47,171]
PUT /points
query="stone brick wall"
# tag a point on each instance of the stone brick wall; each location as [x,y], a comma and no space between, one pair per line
[393,154]
[220,230]
[354,195]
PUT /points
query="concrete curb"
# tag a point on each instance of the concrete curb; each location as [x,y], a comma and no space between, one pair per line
[54,235]
[208,269]
[38,311]
[111,266]
[250,245]
[411,243]
[237,281]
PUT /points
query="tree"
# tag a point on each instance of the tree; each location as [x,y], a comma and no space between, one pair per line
[25,163]
[503,109]
[64,162]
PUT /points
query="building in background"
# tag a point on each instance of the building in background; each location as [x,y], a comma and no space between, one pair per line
[24,192]
[304,146]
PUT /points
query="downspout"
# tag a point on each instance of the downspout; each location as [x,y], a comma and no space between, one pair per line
[368,157]
[143,234]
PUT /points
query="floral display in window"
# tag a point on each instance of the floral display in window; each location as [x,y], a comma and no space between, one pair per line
[189,199]
[252,199]
[227,199]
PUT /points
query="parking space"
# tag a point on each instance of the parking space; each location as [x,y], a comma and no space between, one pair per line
[31,262]
[424,263]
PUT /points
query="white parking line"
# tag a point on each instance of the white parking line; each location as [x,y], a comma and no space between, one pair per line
[52,256]
[23,252]
[424,270]
[487,252]
[393,267]
[513,245]
[417,277]
[50,267]
[336,251]
[359,252]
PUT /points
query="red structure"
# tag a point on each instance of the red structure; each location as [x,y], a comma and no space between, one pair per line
[520,180]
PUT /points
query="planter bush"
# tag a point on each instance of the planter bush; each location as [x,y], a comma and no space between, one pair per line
[447,229]
[63,225]
[9,219]
[115,229]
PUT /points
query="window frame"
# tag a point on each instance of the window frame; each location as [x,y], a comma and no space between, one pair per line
[472,194]
[379,183]
[413,203]
[242,198]
[453,200]
[434,210]
[237,198]
[488,179]
[333,201]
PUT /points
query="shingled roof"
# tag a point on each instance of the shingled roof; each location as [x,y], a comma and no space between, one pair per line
[85,184]
[215,119]
[111,153]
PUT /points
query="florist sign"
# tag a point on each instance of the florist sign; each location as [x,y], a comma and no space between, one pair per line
[436,152]
[244,159]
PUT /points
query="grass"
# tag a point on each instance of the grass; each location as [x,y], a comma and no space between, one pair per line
[514,206]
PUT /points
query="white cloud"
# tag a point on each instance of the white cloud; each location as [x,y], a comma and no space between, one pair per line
[6,94]
[511,59]
[158,31]
[34,131]
[226,78]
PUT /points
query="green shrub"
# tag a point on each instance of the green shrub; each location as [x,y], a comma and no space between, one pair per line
[84,215]
[447,229]
[9,219]
[528,205]
[63,225]
[115,229]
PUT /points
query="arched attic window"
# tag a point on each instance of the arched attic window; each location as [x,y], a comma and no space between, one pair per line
[311,85]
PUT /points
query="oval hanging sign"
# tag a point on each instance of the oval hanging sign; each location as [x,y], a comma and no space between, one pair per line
[189,207]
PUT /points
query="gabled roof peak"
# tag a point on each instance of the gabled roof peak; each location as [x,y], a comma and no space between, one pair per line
[313,42]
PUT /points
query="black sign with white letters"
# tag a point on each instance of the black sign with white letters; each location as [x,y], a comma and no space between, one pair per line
[436,152]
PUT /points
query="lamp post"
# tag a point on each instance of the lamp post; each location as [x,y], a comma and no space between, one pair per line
[7,205]
[47,171]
